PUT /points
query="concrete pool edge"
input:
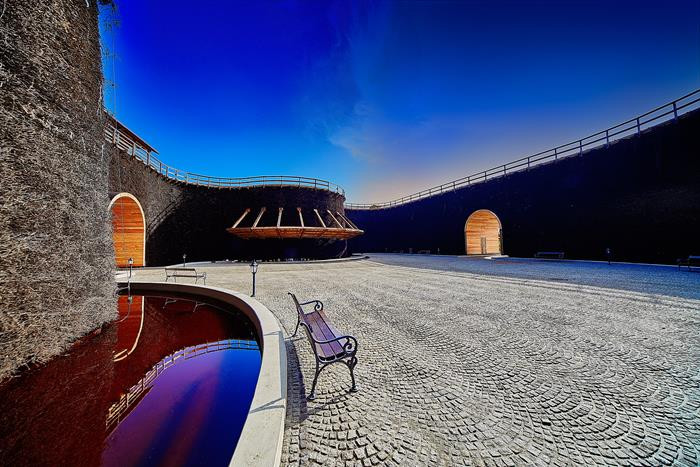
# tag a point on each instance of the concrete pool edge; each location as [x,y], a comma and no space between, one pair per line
[261,439]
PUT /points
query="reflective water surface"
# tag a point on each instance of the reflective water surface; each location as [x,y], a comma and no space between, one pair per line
[169,382]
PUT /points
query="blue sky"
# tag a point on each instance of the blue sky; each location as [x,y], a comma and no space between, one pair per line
[386,98]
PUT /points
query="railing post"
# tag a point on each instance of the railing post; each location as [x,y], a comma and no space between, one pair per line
[148,158]
[675,111]
[133,148]
[160,167]
[638,129]
[115,134]
[528,162]
[607,138]
[580,147]
[555,153]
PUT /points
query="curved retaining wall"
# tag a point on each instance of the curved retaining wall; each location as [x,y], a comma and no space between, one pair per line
[184,218]
[261,439]
[640,197]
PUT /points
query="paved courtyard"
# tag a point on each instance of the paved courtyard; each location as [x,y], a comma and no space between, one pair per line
[494,368]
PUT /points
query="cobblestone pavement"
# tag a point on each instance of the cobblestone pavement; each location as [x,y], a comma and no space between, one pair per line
[463,369]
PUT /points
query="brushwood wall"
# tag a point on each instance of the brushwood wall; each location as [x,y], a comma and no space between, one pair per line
[56,256]
[640,197]
[190,219]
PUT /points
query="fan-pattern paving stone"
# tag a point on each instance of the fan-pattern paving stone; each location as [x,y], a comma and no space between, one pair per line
[464,369]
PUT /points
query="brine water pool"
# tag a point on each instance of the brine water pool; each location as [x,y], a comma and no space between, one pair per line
[169,382]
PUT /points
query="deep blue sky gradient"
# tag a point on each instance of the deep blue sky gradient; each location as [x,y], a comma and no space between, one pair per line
[386,98]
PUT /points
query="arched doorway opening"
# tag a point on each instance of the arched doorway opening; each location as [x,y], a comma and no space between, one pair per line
[128,230]
[482,233]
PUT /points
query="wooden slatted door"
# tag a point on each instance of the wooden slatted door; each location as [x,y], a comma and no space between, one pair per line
[128,230]
[482,233]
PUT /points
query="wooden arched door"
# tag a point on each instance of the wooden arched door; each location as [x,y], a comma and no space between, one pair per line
[482,233]
[128,230]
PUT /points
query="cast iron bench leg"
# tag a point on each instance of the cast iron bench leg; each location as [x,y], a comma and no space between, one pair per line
[351,365]
[312,395]
[297,328]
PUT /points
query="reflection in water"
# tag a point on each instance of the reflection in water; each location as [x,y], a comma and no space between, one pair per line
[119,409]
[168,382]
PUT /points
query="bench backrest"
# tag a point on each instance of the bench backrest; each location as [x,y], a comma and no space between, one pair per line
[176,270]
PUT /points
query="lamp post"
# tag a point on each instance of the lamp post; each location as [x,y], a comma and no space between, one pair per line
[184,260]
[253,270]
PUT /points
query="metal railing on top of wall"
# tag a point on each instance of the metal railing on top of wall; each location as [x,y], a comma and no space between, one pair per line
[122,140]
[631,127]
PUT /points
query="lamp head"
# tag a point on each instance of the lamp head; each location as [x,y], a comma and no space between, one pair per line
[254,267]
[131,261]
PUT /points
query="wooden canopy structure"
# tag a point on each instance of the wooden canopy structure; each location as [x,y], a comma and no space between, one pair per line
[339,227]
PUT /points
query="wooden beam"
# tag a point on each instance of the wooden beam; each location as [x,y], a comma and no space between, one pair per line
[347,219]
[294,232]
[301,218]
[245,213]
[333,217]
[279,217]
[343,223]
[262,210]
[319,218]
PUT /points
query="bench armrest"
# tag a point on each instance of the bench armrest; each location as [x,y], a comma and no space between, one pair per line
[318,304]
[350,345]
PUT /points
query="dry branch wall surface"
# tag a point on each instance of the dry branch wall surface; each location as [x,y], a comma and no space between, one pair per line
[640,197]
[56,254]
[193,220]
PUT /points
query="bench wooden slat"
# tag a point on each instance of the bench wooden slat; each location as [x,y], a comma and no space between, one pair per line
[323,331]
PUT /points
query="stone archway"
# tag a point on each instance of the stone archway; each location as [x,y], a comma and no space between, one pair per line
[483,234]
[128,230]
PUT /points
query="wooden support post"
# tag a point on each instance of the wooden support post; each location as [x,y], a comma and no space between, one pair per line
[333,217]
[347,219]
[245,213]
[279,217]
[319,218]
[301,218]
[262,210]
[342,220]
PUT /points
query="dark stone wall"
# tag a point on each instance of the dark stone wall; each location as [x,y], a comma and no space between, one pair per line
[191,219]
[56,254]
[640,197]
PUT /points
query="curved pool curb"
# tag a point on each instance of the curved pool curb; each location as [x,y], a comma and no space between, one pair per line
[260,443]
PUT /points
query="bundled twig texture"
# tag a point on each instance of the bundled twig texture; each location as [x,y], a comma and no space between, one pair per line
[56,253]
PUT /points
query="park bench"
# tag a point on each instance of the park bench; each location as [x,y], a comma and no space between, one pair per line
[690,261]
[549,255]
[329,345]
[185,272]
